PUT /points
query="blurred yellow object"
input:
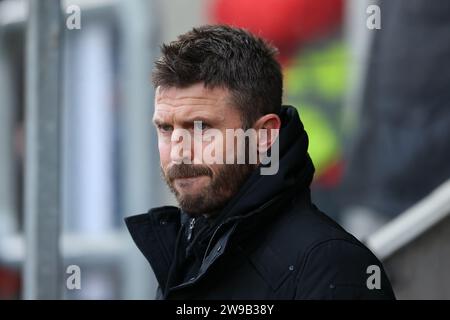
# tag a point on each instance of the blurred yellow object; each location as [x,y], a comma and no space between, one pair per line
[323,142]
[321,71]
[315,83]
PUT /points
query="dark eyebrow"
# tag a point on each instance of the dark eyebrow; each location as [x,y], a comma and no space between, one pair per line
[190,121]
[159,122]
[185,123]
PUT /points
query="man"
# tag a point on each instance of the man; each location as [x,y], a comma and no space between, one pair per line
[241,232]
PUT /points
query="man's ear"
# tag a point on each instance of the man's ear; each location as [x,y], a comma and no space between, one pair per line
[268,127]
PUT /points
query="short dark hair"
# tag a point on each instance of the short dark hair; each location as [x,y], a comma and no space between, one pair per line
[228,57]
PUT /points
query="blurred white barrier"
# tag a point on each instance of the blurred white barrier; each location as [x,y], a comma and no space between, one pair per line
[415,248]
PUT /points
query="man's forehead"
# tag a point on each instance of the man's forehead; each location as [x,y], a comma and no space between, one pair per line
[193,95]
[191,102]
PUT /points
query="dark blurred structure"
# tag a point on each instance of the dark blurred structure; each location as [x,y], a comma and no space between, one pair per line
[401,151]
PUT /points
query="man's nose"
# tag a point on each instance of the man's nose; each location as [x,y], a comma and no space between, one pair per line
[181,149]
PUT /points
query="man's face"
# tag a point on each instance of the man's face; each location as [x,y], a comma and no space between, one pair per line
[200,188]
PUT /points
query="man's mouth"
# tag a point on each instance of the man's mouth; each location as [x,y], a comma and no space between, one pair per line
[187,178]
[188,181]
[190,178]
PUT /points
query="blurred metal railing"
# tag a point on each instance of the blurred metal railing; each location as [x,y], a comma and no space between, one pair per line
[415,248]
[42,269]
[142,185]
[7,116]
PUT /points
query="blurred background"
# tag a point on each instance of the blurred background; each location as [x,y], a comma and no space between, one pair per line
[370,79]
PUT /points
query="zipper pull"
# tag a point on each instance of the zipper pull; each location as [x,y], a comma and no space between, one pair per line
[191,228]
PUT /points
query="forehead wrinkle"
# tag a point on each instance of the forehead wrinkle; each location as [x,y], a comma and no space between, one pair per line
[194,101]
[166,105]
[188,113]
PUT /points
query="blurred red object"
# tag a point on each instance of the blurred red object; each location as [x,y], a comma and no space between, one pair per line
[9,284]
[288,24]
[332,175]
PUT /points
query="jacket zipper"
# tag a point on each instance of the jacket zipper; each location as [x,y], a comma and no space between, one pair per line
[190,230]
[264,206]
[192,224]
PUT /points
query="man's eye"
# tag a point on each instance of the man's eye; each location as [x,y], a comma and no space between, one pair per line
[200,125]
[165,128]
